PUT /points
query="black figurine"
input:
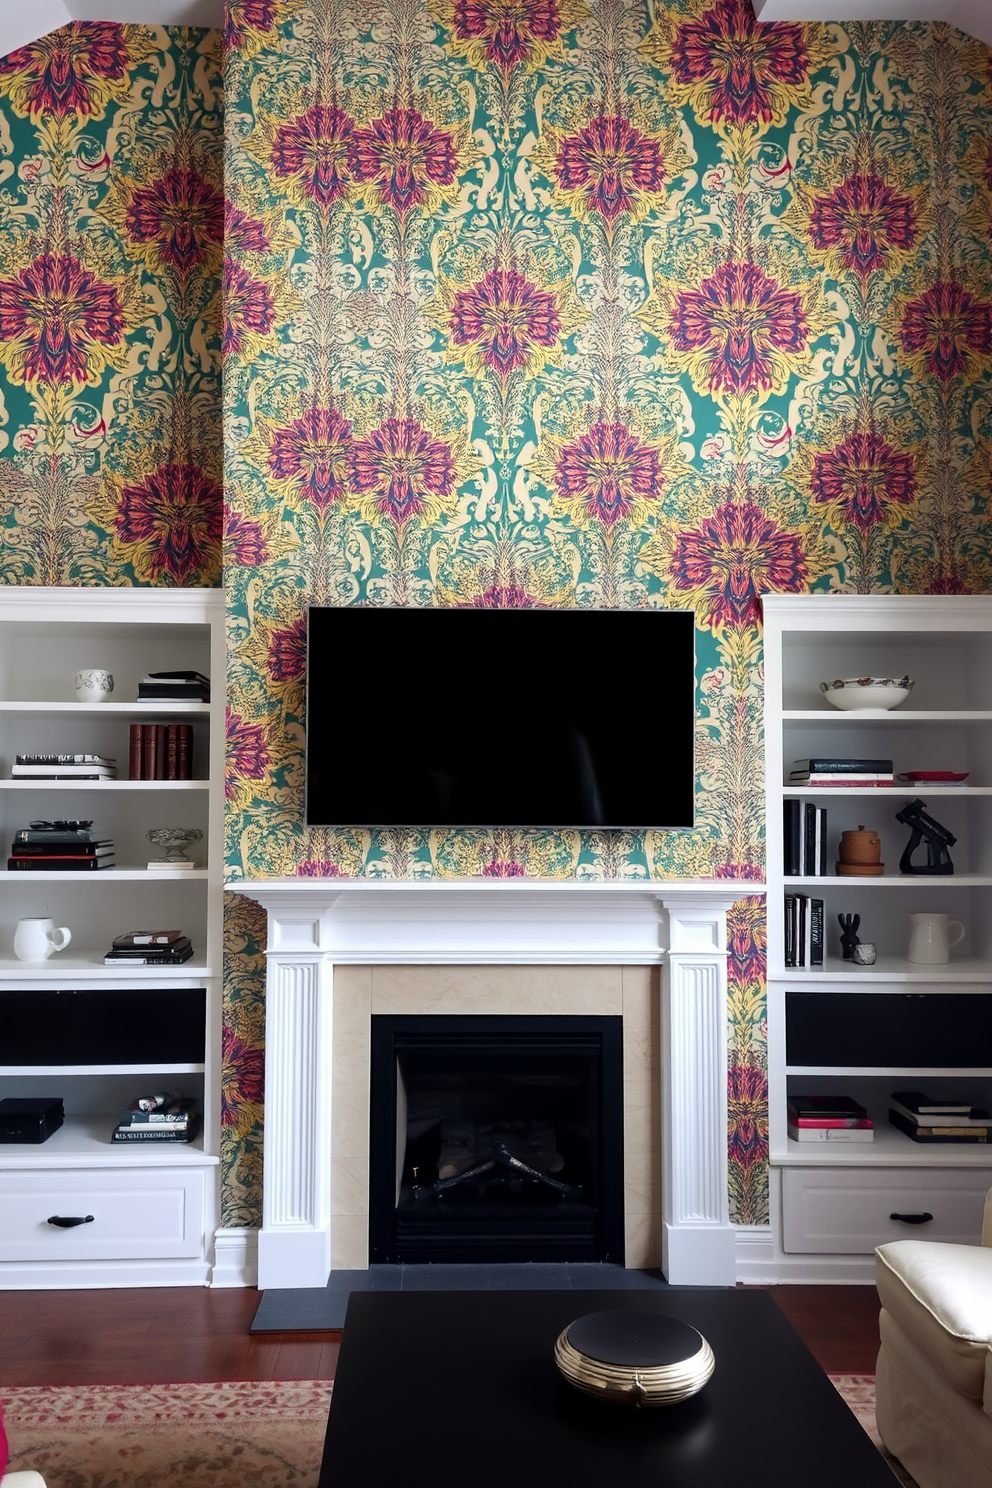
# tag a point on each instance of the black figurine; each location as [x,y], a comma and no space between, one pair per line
[849,934]
[938,840]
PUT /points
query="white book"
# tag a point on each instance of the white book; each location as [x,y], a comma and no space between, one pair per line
[82,772]
[831,1133]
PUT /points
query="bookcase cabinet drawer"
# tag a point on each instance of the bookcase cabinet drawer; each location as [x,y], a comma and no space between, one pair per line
[137,1215]
[846,1211]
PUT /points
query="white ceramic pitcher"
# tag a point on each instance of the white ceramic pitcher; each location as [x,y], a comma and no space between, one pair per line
[36,939]
[930,938]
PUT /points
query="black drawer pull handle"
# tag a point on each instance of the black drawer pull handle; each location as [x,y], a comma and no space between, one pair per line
[913,1218]
[66,1221]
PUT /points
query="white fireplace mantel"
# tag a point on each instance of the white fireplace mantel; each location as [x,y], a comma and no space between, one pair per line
[314,924]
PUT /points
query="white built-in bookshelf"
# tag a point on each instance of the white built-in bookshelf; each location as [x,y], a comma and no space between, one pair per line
[865,1031]
[154,1210]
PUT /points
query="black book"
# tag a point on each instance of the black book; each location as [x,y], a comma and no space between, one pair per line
[823,764]
[816,932]
[834,1106]
[977,1136]
[176,677]
[164,952]
[96,848]
[790,929]
[63,759]
[791,808]
[58,865]
[926,1105]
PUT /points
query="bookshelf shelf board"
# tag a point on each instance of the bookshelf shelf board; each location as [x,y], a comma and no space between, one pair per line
[917,788]
[898,880]
[104,710]
[890,1149]
[837,717]
[101,875]
[899,1072]
[890,969]
[82,1138]
[63,1071]
[62,970]
[105,785]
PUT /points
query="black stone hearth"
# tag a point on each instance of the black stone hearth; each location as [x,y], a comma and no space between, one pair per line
[496,1140]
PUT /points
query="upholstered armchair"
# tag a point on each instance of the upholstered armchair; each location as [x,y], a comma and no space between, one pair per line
[934,1373]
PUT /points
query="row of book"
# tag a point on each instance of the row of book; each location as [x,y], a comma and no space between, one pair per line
[59,848]
[804,841]
[149,948]
[158,1118]
[70,766]
[841,1118]
[160,751]
[804,930]
[841,770]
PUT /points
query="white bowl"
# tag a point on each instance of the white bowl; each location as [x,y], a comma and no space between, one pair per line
[878,694]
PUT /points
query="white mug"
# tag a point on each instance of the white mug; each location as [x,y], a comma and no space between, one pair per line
[94,685]
[36,939]
[929,941]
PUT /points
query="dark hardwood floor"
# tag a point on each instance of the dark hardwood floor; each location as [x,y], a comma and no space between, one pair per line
[158,1335]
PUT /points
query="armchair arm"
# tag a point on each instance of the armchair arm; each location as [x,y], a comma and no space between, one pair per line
[987,1221]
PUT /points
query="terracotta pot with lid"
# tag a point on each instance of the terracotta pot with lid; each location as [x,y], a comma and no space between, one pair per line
[860,854]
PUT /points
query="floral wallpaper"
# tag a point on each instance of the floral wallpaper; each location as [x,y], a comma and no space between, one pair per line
[545,302]
[111,229]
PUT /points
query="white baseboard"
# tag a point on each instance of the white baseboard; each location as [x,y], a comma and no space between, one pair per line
[759,1262]
[754,1254]
[43,1276]
[235,1258]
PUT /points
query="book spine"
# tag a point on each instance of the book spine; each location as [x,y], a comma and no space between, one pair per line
[790,836]
[57,865]
[831,1134]
[842,1123]
[148,752]
[978,1135]
[816,932]
[156,1118]
[172,751]
[149,1134]
[185,762]
[829,765]
[135,754]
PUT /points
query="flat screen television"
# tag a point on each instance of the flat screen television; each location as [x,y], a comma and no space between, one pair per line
[479,718]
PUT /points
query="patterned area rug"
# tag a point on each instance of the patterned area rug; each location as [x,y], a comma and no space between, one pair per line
[858,1391]
[241,1435]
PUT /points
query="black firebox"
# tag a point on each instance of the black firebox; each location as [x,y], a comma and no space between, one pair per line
[496,1139]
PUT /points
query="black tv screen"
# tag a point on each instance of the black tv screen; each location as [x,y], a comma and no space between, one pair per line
[480,718]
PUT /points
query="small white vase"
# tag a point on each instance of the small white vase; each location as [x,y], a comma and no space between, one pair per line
[94,685]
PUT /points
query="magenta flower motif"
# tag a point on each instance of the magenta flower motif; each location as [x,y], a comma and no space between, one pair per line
[316,151]
[946,328]
[737,320]
[243,1082]
[503,597]
[733,556]
[611,163]
[70,71]
[506,318]
[865,218]
[496,869]
[176,515]
[314,451]
[287,659]
[736,67]
[317,868]
[747,1096]
[405,156]
[509,31]
[55,315]
[247,754]
[242,17]
[248,308]
[607,472]
[246,234]
[244,541]
[865,477]
[404,471]
[180,212]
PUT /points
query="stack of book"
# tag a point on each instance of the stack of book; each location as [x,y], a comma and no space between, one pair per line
[63,767]
[843,770]
[160,751]
[828,1118]
[157,1118]
[803,930]
[59,847]
[176,687]
[804,839]
[923,1118]
[149,948]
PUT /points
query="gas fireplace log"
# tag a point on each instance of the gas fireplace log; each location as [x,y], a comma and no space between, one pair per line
[499,1157]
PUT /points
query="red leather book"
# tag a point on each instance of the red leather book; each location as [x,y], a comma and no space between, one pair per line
[134,752]
[185,760]
[171,751]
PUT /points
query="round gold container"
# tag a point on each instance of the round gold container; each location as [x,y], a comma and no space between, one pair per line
[643,1359]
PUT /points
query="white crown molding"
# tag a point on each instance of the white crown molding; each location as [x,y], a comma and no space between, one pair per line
[971,16]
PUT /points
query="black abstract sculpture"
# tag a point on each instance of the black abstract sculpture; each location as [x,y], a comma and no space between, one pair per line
[849,934]
[923,828]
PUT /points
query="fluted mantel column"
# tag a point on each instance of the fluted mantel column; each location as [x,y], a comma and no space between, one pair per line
[315,924]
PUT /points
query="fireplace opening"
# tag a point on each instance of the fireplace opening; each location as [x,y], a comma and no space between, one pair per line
[496,1139]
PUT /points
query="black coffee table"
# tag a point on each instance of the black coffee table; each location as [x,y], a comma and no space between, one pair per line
[460,1390]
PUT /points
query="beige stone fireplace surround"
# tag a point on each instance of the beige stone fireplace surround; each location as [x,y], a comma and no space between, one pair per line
[340,952]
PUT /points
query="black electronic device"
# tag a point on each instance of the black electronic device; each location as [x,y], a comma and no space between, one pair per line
[30,1119]
[486,718]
